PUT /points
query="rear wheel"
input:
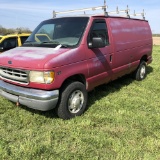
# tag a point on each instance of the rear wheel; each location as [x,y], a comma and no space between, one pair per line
[73,100]
[140,73]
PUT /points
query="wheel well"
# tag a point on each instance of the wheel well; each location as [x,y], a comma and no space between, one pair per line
[144,58]
[78,77]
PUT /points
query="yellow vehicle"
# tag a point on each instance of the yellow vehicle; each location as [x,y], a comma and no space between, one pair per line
[1,37]
[12,40]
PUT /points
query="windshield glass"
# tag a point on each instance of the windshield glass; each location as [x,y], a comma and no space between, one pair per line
[66,32]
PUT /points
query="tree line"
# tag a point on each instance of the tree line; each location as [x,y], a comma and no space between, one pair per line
[4,31]
[156,35]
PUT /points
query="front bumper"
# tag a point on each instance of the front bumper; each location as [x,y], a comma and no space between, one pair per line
[32,98]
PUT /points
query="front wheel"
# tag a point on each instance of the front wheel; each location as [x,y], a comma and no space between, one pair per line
[140,72]
[73,100]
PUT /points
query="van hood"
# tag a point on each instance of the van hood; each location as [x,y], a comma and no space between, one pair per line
[29,57]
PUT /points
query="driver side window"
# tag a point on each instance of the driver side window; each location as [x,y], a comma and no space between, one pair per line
[99,29]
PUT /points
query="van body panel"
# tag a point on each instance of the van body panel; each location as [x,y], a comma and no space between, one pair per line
[23,55]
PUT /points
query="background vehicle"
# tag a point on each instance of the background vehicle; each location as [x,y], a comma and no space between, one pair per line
[12,40]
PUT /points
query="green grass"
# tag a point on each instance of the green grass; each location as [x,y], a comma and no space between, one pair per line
[121,123]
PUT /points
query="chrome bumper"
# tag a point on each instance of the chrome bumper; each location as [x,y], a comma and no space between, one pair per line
[32,98]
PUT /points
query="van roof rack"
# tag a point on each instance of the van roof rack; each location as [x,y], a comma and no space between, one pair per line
[79,10]
[139,14]
[119,11]
[105,12]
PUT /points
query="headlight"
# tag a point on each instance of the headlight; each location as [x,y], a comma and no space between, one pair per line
[41,77]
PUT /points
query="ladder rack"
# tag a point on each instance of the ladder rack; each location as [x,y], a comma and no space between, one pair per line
[105,12]
[119,11]
[79,10]
[139,14]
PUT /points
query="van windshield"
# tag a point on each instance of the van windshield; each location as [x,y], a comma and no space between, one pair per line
[66,32]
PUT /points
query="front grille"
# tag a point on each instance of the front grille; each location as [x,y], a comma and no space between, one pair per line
[15,75]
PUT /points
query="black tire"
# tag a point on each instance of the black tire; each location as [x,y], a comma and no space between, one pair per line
[73,100]
[140,72]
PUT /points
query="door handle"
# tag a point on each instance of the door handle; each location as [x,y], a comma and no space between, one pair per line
[110,58]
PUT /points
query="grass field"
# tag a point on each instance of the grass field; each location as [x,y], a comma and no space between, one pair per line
[122,123]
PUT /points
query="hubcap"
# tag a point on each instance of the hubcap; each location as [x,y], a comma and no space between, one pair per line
[142,72]
[75,102]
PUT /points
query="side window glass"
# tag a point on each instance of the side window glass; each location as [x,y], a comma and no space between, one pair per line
[23,39]
[10,43]
[99,29]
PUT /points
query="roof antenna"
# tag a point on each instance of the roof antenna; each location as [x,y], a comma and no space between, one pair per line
[127,12]
[105,10]
[143,14]
[104,2]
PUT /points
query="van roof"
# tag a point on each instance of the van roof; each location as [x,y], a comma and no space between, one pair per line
[103,16]
[124,17]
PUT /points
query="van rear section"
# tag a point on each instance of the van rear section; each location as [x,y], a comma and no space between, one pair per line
[130,33]
[132,42]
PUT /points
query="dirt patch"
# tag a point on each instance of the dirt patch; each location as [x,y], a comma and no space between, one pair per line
[156,40]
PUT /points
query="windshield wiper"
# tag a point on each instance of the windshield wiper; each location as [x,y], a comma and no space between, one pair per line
[28,42]
[56,43]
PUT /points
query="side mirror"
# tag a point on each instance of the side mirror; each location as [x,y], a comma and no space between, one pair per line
[1,49]
[97,42]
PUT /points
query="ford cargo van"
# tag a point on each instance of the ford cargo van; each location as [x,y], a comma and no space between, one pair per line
[64,58]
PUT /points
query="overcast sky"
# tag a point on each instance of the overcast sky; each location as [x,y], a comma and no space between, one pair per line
[29,13]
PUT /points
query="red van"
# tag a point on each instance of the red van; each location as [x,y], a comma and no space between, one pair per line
[64,58]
